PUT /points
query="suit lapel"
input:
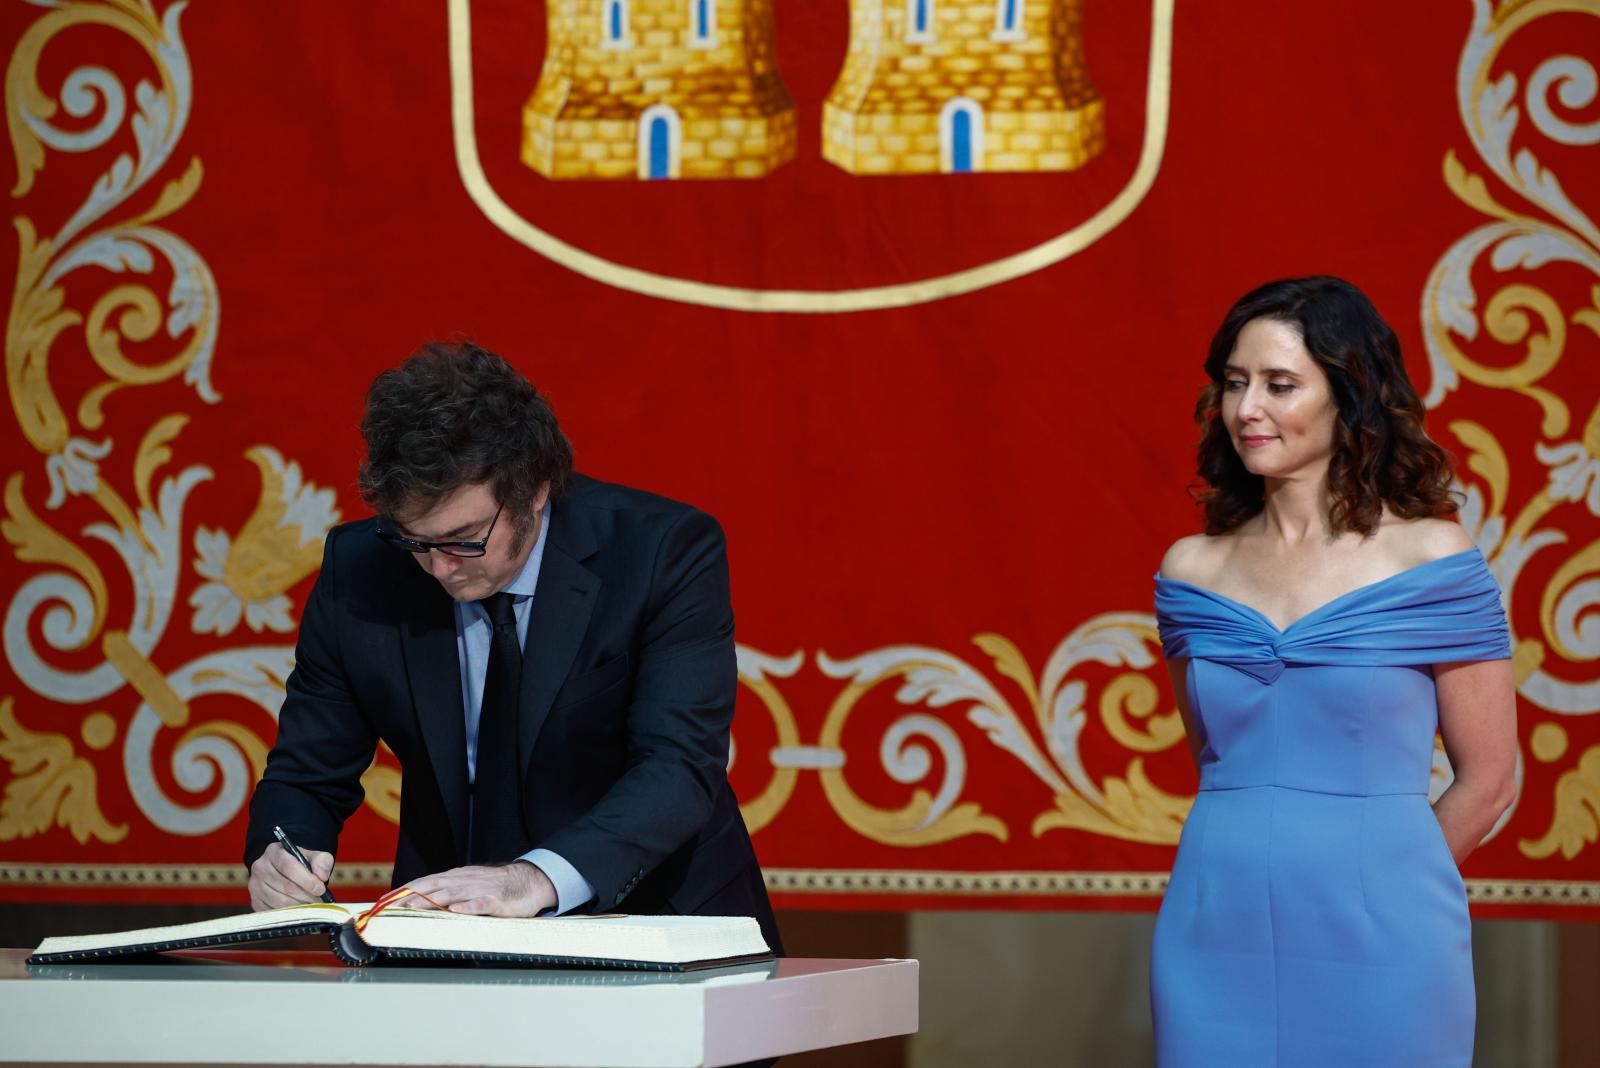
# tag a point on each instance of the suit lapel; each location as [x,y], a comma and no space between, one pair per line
[562,603]
[434,670]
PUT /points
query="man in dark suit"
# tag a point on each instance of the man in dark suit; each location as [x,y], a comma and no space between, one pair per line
[556,678]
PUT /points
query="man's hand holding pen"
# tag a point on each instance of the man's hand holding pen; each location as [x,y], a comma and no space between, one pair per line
[278,880]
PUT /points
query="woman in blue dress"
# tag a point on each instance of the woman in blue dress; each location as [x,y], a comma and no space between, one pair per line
[1328,622]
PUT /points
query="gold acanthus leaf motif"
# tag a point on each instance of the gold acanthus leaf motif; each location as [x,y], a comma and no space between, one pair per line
[272,551]
[1506,319]
[1590,317]
[38,543]
[1584,562]
[908,826]
[153,453]
[1009,661]
[50,786]
[914,824]
[1577,817]
[1472,189]
[37,318]
[754,669]
[1134,693]
[1134,809]
[138,313]
[1486,459]
[133,18]
[175,195]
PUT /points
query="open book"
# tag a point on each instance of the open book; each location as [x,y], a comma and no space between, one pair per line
[663,943]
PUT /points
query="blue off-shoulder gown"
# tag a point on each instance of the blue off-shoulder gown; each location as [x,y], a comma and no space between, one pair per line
[1314,915]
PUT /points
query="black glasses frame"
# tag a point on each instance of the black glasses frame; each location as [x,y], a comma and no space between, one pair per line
[386,531]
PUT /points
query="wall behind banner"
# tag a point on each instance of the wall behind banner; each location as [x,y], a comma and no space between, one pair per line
[943,417]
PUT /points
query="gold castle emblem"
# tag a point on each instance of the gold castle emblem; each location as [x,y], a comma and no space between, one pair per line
[690,89]
[659,89]
[952,86]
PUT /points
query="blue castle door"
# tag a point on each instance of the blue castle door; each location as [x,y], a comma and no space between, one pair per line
[660,148]
[961,141]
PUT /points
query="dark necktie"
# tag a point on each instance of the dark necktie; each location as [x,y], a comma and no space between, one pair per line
[497,830]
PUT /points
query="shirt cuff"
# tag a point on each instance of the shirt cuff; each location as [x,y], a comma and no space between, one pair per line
[572,889]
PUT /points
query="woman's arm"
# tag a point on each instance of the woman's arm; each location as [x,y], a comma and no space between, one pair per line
[1191,560]
[1478,721]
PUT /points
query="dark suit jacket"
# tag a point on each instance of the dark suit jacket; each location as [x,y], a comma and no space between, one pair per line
[627,696]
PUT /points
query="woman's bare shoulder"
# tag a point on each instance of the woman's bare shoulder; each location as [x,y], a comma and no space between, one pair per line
[1192,559]
[1419,541]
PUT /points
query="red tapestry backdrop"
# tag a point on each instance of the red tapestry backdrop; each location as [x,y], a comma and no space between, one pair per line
[912,296]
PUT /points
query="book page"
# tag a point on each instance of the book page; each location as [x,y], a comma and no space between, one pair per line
[263,922]
[653,939]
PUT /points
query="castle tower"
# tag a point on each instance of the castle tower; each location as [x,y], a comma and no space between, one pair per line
[658,89]
[934,86]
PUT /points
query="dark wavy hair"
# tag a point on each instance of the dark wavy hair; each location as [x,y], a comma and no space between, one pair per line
[454,414]
[1382,457]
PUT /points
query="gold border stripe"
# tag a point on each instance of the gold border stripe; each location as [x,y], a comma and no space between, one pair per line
[1070,884]
[174,876]
[1107,884]
[968,883]
[1537,892]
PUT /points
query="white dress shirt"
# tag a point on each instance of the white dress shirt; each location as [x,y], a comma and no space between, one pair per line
[473,634]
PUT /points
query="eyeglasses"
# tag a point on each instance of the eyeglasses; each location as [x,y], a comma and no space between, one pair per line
[387,532]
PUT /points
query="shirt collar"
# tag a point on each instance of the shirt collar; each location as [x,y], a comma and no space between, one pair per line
[527,579]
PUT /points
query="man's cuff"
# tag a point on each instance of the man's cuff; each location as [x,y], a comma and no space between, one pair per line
[572,889]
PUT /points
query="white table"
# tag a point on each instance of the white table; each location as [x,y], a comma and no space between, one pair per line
[301,1008]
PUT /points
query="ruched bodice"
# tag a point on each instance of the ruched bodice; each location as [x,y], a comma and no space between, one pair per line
[1360,694]
[1444,610]
[1314,915]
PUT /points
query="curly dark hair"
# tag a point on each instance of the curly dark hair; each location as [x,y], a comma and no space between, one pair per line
[1382,457]
[454,414]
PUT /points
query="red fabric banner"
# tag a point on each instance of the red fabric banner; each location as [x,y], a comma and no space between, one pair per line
[912,296]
